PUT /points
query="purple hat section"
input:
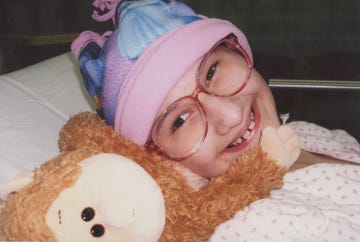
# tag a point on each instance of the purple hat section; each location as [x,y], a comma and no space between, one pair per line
[116,70]
[158,69]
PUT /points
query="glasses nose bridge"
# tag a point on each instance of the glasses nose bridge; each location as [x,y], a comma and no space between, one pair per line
[196,92]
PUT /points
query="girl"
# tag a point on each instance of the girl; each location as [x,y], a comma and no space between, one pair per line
[184,84]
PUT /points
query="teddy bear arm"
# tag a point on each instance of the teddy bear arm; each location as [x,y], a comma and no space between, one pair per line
[251,177]
[266,180]
[255,168]
[221,205]
[180,231]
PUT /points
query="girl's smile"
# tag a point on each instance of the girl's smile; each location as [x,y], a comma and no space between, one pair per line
[247,133]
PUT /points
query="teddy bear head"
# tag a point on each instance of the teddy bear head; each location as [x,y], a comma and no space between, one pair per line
[85,196]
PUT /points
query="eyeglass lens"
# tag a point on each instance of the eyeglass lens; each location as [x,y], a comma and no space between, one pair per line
[181,129]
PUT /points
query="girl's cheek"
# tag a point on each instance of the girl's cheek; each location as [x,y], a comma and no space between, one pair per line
[255,84]
[203,158]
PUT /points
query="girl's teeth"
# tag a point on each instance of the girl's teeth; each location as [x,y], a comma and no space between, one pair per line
[239,140]
[252,125]
[247,133]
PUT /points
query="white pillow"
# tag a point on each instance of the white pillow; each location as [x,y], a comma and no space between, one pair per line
[35,103]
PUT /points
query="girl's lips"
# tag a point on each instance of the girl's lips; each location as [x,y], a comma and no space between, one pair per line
[245,136]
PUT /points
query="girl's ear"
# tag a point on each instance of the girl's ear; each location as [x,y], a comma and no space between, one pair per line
[16,185]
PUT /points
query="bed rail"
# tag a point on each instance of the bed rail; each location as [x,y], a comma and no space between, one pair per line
[314,84]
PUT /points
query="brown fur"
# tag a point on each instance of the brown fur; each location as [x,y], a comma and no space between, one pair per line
[190,215]
[23,216]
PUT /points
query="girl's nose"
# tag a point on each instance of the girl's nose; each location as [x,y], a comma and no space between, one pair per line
[222,112]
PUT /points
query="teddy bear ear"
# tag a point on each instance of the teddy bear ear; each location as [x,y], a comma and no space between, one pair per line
[15,185]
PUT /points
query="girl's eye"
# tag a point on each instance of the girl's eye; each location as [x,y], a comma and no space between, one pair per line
[179,121]
[210,74]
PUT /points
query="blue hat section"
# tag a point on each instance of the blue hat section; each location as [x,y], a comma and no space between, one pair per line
[142,22]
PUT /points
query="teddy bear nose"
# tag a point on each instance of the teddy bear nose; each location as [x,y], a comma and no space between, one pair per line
[118,212]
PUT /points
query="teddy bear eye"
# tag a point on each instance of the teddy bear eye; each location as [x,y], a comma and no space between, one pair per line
[97,230]
[88,214]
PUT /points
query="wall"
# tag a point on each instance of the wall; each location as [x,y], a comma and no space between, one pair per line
[310,39]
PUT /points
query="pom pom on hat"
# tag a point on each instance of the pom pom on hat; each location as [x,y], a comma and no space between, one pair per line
[132,71]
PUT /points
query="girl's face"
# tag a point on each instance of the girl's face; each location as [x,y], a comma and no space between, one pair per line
[234,122]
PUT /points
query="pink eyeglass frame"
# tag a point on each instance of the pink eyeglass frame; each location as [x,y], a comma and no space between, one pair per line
[231,42]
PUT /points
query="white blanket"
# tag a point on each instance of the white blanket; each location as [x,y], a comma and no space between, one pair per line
[317,203]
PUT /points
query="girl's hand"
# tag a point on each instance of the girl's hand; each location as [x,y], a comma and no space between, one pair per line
[281,144]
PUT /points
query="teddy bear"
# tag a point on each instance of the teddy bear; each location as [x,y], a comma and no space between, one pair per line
[189,214]
[84,195]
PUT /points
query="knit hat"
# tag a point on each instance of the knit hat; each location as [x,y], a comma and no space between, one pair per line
[129,72]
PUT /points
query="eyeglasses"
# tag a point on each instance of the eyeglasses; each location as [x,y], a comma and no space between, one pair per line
[181,128]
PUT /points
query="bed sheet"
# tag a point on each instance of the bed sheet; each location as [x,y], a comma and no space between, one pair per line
[35,103]
[316,203]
